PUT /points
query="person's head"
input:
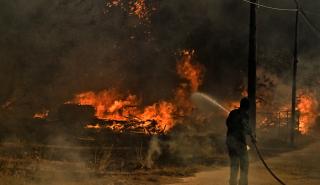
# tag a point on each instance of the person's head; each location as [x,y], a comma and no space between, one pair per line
[244,104]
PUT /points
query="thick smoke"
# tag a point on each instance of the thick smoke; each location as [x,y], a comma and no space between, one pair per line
[53,50]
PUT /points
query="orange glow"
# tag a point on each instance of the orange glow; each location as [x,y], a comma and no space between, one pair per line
[307,106]
[234,105]
[110,105]
[182,100]
[244,93]
[96,126]
[133,7]
[161,116]
[139,8]
[193,72]
[41,115]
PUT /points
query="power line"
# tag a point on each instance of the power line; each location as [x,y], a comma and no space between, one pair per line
[281,9]
[270,7]
[314,28]
[304,13]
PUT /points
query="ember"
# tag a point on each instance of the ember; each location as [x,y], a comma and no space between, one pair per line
[138,8]
[41,115]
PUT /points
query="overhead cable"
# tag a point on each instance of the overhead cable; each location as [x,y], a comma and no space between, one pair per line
[314,28]
[270,7]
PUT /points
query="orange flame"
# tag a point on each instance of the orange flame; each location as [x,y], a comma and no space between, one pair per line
[190,71]
[41,115]
[112,105]
[307,106]
[139,8]
[109,105]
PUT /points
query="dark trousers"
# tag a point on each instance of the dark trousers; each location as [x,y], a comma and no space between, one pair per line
[239,160]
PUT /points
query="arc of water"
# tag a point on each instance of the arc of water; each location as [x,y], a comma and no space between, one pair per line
[212,101]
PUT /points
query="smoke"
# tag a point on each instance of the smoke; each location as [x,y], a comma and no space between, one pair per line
[53,50]
[154,151]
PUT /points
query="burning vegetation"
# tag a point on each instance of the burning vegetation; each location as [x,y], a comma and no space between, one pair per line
[124,112]
[307,111]
[97,84]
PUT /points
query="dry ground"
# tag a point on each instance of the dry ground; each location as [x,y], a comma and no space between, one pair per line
[300,167]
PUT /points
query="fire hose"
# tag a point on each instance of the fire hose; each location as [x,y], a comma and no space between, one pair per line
[266,165]
[214,102]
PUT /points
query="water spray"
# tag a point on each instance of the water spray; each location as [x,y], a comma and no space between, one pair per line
[221,107]
[211,101]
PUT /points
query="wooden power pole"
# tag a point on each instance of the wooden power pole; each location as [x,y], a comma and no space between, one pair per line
[294,78]
[252,64]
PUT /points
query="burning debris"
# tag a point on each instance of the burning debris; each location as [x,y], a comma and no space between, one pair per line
[125,113]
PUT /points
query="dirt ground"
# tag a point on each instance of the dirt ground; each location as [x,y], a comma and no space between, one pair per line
[300,167]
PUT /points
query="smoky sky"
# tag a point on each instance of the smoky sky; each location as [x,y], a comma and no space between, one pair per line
[50,50]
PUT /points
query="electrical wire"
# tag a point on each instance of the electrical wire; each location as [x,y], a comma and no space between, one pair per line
[270,7]
[313,27]
[304,13]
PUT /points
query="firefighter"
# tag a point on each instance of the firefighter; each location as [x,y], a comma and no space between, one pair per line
[238,128]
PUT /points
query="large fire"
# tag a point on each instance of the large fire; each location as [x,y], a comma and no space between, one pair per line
[306,108]
[110,104]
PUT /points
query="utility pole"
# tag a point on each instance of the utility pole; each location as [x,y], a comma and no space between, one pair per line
[294,78]
[252,74]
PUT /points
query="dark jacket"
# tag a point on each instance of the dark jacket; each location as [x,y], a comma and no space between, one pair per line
[238,127]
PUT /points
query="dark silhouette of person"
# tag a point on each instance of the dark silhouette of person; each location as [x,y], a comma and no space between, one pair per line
[238,128]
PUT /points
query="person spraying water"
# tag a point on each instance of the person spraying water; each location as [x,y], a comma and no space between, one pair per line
[238,127]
